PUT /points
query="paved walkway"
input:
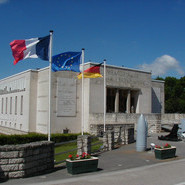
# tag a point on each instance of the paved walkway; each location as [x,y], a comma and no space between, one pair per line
[120,159]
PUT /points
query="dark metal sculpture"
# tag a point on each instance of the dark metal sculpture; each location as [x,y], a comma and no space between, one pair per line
[172,136]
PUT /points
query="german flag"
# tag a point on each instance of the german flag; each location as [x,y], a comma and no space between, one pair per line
[92,72]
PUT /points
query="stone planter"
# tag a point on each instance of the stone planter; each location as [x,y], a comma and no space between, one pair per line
[82,166]
[165,153]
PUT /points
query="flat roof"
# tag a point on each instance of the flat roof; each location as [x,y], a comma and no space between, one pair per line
[94,63]
[161,81]
[120,67]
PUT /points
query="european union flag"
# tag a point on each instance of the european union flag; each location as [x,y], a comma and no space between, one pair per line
[68,61]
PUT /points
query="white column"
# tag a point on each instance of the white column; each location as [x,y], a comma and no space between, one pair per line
[117,101]
[128,101]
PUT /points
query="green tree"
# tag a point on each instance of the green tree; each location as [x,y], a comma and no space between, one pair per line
[174,94]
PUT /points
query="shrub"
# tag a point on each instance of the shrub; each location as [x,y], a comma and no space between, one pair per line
[33,137]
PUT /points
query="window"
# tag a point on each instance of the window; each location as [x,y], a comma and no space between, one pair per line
[16,105]
[10,105]
[6,108]
[2,106]
[21,112]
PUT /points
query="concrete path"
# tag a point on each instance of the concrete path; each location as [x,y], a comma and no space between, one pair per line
[167,173]
[123,160]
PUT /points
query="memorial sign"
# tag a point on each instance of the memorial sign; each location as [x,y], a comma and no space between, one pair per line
[66,97]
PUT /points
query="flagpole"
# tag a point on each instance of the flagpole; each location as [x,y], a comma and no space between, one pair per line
[104,111]
[50,63]
[83,90]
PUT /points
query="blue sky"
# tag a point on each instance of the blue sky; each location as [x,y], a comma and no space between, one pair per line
[139,34]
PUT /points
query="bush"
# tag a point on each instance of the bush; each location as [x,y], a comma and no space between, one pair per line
[33,137]
[58,138]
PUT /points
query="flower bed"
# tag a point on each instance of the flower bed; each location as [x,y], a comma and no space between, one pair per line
[81,164]
[165,152]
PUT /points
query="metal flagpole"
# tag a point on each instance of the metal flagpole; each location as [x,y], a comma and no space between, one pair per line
[50,63]
[104,95]
[83,90]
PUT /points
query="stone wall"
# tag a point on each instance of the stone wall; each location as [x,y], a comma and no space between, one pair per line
[84,144]
[25,160]
[113,120]
[108,140]
[123,133]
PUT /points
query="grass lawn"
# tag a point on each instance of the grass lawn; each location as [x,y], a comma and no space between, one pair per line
[63,148]
[70,146]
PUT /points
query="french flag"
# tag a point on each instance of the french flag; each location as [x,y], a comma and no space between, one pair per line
[30,48]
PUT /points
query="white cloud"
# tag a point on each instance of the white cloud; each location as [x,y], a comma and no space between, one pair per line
[3,1]
[161,65]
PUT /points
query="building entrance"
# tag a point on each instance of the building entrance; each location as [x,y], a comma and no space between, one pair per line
[122,100]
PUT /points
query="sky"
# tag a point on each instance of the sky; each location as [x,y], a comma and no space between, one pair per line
[140,34]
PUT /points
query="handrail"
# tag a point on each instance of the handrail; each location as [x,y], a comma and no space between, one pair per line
[66,151]
[65,142]
[75,149]
[97,143]
[60,162]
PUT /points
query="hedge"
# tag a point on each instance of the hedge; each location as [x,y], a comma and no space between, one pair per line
[33,137]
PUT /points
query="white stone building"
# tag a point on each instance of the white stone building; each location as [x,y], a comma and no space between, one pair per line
[24,99]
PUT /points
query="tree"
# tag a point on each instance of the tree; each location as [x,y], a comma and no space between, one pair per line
[174,94]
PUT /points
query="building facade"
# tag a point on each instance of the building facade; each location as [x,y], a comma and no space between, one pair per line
[24,99]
